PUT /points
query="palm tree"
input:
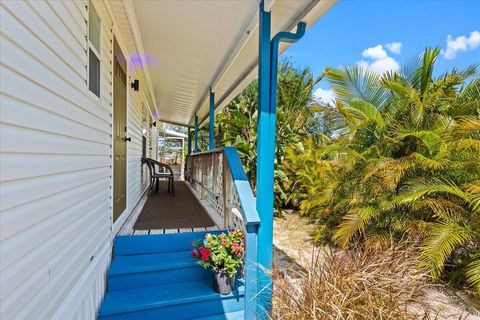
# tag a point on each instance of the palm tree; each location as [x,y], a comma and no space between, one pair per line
[237,124]
[405,160]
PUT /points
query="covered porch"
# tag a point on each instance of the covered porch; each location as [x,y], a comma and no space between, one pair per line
[152,274]
[160,213]
[84,86]
[196,56]
[208,200]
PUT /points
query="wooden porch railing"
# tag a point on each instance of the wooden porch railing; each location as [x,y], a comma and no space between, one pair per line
[219,178]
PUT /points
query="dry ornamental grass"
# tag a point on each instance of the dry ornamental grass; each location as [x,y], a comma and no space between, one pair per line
[353,284]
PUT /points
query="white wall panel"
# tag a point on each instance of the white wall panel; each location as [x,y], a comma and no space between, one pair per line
[55,160]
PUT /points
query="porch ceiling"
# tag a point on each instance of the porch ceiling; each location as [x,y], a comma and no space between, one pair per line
[192,45]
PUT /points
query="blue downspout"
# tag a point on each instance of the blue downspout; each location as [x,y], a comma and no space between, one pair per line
[189,139]
[212,120]
[264,179]
[267,103]
[195,149]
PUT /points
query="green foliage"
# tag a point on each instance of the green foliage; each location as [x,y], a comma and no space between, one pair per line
[473,275]
[396,156]
[237,124]
[402,160]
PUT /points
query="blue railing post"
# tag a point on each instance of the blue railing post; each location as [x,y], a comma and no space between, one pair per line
[212,120]
[267,104]
[189,139]
[264,183]
[195,149]
[251,258]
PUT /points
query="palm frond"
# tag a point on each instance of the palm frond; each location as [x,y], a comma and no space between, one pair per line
[417,191]
[465,127]
[423,75]
[443,209]
[473,275]
[356,82]
[354,224]
[444,238]
[428,138]
[473,189]
[364,110]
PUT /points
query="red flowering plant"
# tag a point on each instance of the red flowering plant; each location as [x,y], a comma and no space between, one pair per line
[222,252]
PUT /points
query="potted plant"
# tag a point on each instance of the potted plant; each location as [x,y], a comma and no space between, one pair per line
[223,254]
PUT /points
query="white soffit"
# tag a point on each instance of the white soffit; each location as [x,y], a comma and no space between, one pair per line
[191,45]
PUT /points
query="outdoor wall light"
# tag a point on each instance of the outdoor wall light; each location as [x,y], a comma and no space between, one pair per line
[135,85]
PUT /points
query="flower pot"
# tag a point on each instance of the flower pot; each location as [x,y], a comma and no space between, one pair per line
[223,283]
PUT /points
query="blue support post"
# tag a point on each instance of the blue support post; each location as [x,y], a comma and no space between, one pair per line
[264,183]
[189,139]
[212,120]
[267,103]
[195,149]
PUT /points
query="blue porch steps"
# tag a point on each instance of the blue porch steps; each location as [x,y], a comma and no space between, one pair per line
[155,277]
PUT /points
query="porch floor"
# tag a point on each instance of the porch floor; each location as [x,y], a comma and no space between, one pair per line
[161,213]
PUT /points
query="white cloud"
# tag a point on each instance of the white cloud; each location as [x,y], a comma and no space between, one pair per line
[375,53]
[363,64]
[461,43]
[380,66]
[394,47]
[327,96]
[380,60]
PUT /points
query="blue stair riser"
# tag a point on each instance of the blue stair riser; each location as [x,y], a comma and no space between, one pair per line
[183,311]
[237,315]
[156,278]
[158,243]
[151,262]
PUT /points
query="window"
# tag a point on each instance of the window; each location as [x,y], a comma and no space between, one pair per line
[93,50]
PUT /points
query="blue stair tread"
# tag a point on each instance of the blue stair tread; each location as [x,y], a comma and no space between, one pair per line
[156,243]
[151,262]
[121,301]
[237,315]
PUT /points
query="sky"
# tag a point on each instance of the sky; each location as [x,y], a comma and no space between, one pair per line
[382,34]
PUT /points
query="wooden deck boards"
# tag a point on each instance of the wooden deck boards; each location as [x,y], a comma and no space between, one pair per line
[127,228]
[165,231]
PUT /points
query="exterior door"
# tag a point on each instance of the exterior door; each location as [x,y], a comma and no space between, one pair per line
[120,131]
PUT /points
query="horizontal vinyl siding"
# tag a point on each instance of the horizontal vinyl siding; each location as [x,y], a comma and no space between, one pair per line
[55,162]
[137,174]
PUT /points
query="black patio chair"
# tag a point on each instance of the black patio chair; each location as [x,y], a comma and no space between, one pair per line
[164,172]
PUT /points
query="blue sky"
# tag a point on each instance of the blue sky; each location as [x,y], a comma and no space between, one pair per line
[385,33]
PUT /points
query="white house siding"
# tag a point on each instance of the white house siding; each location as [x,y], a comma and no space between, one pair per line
[55,161]
[137,178]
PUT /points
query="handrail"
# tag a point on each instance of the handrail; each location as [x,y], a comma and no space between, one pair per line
[228,171]
[243,187]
